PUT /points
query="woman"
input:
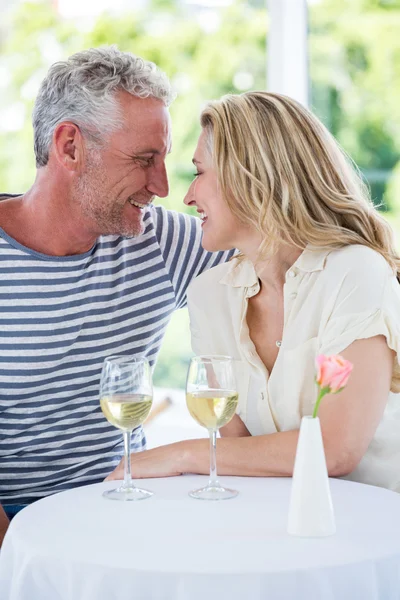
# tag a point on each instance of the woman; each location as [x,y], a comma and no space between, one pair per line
[316,274]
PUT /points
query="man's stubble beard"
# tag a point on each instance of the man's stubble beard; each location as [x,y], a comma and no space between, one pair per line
[95,204]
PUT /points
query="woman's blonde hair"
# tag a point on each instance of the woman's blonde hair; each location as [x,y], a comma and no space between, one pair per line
[281,171]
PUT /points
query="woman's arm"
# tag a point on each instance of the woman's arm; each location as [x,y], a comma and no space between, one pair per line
[348,422]
[4,523]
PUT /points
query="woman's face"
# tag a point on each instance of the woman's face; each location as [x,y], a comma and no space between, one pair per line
[221,229]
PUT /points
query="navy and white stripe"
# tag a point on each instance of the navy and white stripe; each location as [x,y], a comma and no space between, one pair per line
[59,318]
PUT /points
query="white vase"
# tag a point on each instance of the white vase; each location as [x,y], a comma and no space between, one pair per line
[310,511]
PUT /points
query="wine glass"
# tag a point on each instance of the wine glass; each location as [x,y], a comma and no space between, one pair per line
[212,398]
[126,395]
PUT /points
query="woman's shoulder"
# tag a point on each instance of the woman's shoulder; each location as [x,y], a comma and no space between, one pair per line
[359,262]
[359,278]
[221,283]
[209,281]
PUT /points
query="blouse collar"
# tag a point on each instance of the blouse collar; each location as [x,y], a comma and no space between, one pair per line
[241,272]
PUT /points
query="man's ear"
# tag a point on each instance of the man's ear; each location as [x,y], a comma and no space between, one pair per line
[68,145]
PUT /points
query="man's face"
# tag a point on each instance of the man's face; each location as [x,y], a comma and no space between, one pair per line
[128,171]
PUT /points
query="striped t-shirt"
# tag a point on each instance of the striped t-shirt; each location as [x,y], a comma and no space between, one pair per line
[59,318]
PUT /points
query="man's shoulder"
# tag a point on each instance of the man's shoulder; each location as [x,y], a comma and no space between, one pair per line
[167,216]
[175,229]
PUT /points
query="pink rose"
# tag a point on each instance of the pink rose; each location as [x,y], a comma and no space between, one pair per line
[333,372]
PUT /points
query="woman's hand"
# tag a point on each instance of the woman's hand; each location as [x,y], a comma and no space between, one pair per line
[165,461]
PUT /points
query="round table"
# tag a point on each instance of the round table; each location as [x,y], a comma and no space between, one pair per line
[77,545]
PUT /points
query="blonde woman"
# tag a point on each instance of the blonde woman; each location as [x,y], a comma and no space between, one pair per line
[316,274]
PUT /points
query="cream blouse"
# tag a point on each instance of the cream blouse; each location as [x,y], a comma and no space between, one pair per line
[331,299]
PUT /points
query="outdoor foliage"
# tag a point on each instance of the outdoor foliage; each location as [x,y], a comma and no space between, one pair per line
[354,65]
[355,72]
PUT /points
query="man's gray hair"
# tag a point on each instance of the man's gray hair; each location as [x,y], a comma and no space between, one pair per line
[82,90]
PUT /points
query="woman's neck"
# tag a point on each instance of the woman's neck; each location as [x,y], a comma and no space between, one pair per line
[272,271]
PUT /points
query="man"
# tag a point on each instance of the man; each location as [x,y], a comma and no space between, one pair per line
[88,268]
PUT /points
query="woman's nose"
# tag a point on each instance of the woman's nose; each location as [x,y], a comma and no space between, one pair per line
[190,195]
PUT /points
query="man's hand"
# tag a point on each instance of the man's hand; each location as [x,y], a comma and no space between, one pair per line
[165,461]
[4,523]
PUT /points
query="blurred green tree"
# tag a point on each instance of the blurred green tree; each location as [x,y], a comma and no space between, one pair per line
[355,74]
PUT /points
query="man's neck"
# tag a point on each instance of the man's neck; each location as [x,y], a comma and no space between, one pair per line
[45,221]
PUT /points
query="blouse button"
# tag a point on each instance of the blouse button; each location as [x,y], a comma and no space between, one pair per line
[293,295]
[292,274]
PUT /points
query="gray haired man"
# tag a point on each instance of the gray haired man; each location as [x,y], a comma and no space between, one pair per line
[88,268]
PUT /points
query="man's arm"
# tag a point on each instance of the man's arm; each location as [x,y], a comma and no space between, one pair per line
[4,523]
[179,236]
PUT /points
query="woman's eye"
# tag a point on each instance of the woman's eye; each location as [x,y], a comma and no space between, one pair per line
[196,174]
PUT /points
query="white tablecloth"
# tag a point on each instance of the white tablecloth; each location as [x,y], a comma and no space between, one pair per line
[79,546]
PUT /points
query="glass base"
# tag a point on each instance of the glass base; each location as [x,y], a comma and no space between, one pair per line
[127,494]
[211,492]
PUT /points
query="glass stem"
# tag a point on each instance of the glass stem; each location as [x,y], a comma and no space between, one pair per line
[127,461]
[213,459]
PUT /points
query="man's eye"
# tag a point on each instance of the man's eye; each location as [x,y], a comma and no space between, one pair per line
[145,162]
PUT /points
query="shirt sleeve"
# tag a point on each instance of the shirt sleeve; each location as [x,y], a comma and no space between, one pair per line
[367,304]
[179,236]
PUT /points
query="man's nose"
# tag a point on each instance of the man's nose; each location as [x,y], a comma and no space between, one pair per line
[158,184]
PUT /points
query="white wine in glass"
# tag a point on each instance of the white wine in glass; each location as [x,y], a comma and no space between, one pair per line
[212,397]
[126,411]
[126,396]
